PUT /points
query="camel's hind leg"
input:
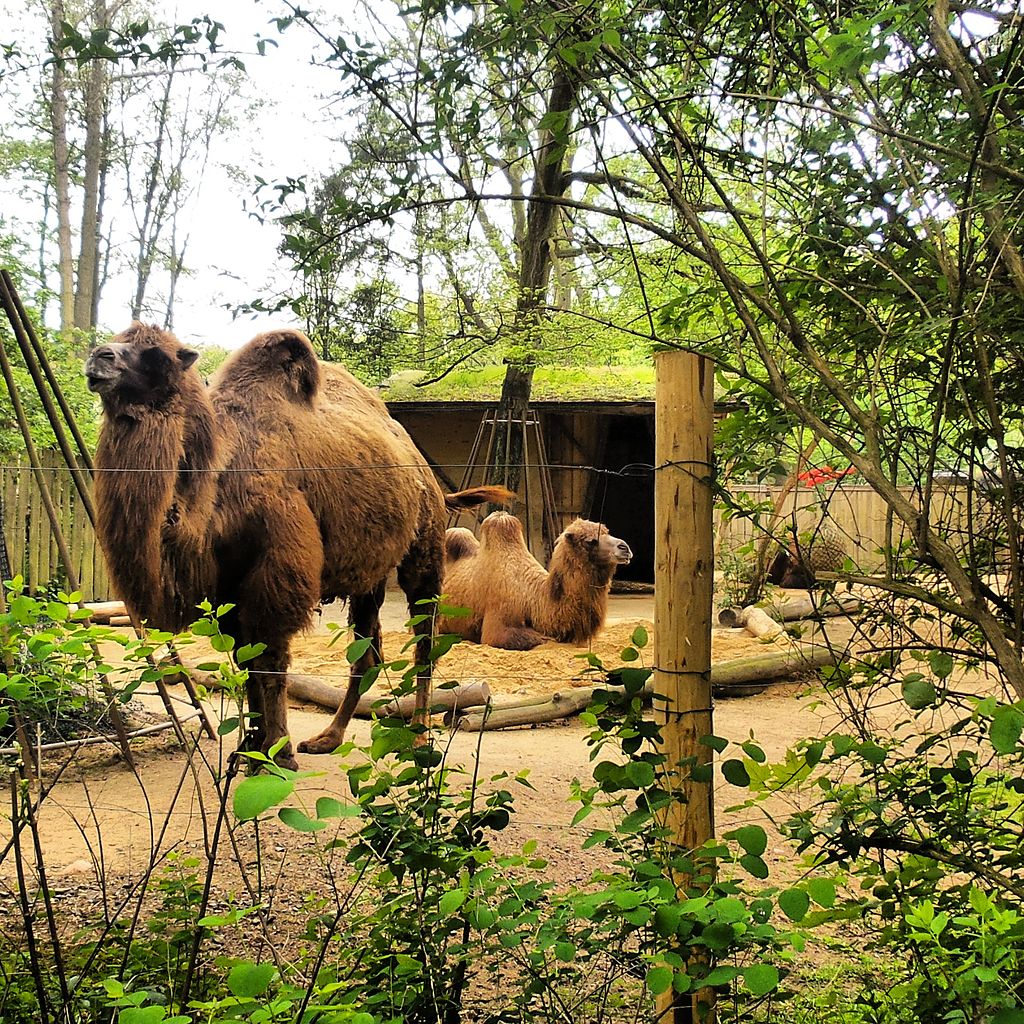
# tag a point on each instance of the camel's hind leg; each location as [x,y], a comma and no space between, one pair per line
[364,617]
[419,576]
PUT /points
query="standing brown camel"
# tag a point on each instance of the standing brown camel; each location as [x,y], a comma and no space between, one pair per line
[516,603]
[284,485]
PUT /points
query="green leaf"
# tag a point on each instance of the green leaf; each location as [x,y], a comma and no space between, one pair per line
[729,910]
[941,663]
[720,976]
[872,752]
[142,1014]
[735,772]
[794,903]
[249,651]
[752,838]
[1007,725]
[257,793]
[328,807]
[761,978]
[294,818]
[754,752]
[443,644]
[754,865]
[451,901]
[918,692]
[565,951]
[639,637]
[1010,1015]
[659,979]
[221,643]
[248,980]
[357,649]
[822,891]
[640,773]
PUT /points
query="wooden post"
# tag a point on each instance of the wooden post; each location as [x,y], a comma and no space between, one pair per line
[684,574]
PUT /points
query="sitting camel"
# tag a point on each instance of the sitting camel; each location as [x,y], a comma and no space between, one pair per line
[284,484]
[515,602]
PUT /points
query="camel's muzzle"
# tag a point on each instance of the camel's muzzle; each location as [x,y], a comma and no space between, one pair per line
[623,554]
[101,369]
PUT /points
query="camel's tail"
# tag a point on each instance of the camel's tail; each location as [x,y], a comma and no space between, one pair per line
[474,496]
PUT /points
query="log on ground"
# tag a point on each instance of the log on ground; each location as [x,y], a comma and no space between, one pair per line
[453,698]
[793,608]
[102,611]
[739,677]
[312,690]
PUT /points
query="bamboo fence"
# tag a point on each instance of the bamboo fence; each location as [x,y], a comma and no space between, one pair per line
[30,543]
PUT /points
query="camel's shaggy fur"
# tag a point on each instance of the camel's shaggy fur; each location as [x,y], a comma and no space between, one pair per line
[284,484]
[514,601]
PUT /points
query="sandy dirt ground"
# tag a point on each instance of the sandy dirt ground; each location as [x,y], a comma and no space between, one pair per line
[102,817]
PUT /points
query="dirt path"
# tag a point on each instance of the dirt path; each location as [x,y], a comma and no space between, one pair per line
[100,807]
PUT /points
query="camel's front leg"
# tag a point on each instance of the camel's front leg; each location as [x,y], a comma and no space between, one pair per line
[267,691]
[496,632]
[364,617]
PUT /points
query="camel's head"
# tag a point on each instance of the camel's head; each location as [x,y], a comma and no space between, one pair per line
[141,366]
[595,542]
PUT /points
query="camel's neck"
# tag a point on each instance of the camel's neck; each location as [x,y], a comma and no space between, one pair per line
[577,597]
[154,499]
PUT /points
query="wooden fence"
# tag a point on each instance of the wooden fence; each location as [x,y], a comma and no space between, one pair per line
[854,511]
[30,544]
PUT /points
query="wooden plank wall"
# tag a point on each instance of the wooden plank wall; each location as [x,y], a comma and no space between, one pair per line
[30,542]
[856,512]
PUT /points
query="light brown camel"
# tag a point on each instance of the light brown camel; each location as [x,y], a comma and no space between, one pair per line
[284,484]
[515,602]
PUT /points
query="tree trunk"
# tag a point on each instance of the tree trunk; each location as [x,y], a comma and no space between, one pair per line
[88,243]
[549,181]
[148,230]
[62,175]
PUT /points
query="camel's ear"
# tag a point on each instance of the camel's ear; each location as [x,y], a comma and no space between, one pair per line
[187,356]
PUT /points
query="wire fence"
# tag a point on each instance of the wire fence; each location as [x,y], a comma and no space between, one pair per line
[856,512]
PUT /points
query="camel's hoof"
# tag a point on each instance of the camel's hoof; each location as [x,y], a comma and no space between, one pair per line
[325,743]
[286,761]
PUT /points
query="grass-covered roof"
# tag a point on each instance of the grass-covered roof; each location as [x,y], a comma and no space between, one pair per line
[550,384]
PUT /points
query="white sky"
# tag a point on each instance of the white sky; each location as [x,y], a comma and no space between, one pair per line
[235,257]
[232,258]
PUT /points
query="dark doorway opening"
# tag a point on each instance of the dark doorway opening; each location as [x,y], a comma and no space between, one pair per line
[624,496]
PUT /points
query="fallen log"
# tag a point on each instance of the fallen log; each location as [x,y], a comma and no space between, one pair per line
[804,607]
[313,690]
[757,622]
[740,677]
[450,699]
[101,611]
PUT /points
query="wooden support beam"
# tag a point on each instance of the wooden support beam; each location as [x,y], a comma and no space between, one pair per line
[684,580]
